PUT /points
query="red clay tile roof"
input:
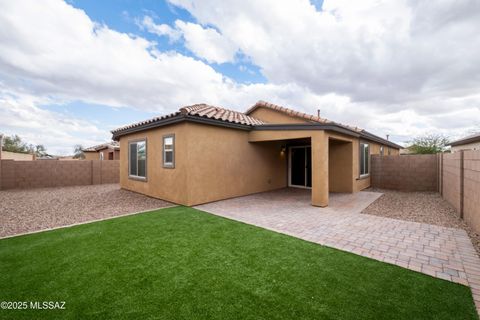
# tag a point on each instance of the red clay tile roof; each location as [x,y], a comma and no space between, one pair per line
[298,114]
[204,111]
[217,113]
[112,144]
[141,123]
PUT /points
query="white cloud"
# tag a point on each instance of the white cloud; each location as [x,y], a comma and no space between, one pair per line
[159,29]
[205,43]
[52,49]
[20,115]
[376,50]
[383,65]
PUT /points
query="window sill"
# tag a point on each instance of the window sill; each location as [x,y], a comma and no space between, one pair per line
[364,176]
[143,179]
[168,166]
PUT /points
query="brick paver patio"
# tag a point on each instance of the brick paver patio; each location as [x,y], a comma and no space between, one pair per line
[445,253]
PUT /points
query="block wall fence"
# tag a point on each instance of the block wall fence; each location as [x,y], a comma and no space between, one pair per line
[57,173]
[456,176]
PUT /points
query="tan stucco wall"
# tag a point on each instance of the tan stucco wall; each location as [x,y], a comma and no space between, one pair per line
[91,155]
[211,163]
[95,155]
[225,164]
[7,155]
[340,164]
[272,116]
[164,183]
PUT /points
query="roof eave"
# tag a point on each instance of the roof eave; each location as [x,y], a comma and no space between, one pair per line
[177,119]
[464,141]
[329,127]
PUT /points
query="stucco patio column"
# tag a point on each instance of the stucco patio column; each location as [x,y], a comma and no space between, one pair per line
[319,169]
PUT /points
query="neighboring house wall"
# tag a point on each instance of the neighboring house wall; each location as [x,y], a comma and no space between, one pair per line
[7,155]
[53,173]
[468,146]
[91,155]
[95,155]
[406,173]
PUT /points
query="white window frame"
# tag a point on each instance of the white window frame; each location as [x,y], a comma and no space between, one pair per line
[168,165]
[382,151]
[101,155]
[366,164]
[132,176]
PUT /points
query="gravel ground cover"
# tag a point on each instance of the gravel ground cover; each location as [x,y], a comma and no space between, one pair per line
[423,207]
[38,209]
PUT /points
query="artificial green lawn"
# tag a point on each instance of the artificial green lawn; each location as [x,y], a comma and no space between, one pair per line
[181,263]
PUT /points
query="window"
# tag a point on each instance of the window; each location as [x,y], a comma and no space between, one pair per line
[389,151]
[169,151]
[364,159]
[137,164]
[381,150]
[101,155]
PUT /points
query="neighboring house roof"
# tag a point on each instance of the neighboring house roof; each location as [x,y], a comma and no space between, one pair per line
[204,113]
[468,139]
[47,157]
[110,145]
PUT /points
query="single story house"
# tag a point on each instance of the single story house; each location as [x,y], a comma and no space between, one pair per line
[204,153]
[7,155]
[105,151]
[471,142]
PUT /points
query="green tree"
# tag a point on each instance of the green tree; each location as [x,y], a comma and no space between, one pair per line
[15,144]
[428,144]
[39,150]
[78,152]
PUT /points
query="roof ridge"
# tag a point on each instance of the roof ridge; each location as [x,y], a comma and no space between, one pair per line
[298,114]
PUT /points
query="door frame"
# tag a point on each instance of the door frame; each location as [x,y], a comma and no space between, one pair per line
[290,166]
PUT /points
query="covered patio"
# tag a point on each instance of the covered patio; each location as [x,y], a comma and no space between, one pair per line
[321,164]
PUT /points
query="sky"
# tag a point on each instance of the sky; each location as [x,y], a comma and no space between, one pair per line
[71,71]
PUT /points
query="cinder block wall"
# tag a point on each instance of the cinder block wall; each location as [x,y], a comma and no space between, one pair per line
[406,172]
[456,175]
[451,179]
[54,173]
[471,197]
[110,171]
